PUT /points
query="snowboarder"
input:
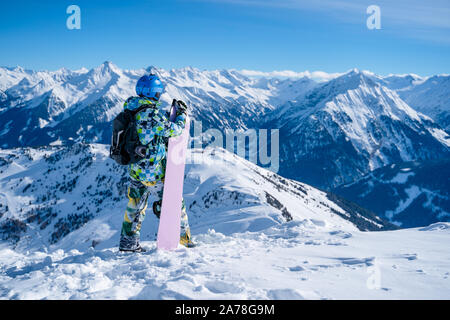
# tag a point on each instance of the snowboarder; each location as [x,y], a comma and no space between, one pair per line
[147,176]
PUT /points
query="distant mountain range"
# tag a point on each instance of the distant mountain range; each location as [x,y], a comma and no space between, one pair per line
[332,133]
[78,105]
[342,129]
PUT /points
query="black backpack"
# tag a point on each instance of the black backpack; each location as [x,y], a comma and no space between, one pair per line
[125,145]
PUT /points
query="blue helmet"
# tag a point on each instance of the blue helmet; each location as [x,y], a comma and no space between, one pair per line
[150,86]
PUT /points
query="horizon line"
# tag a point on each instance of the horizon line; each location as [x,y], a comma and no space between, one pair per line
[317,74]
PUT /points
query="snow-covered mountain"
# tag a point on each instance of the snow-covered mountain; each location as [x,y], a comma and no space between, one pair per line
[61,206]
[39,108]
[44,107]
[427,95]
[431,97]
[48,193]
[259,236]
[331,133]
[349,126]
[399,82]
[414,193]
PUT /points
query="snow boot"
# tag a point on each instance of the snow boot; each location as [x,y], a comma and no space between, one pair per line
[130,244]
[138,249]
[185,240]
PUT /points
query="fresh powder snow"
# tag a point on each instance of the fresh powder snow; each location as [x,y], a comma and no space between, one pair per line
[259,236]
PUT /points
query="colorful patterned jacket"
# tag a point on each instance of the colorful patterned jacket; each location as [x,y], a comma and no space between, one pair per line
[154,129]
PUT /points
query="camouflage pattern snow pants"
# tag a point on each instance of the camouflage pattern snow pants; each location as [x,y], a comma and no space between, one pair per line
[139,195]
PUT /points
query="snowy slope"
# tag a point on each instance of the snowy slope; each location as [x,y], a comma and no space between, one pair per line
[296,260]
[259,236]
[344,128]
[414,193]
[46,194]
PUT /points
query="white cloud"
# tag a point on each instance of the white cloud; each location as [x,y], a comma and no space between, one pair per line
[319,76]
[424,20]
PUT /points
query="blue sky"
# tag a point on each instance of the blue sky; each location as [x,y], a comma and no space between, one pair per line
[265,35]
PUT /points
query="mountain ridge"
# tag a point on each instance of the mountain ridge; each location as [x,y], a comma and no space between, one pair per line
[49,192]
[352,119]
[331,132]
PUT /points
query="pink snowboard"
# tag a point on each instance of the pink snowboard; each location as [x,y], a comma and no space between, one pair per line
[169,223]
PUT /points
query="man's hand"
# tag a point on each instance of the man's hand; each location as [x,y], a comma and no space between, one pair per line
[182,107]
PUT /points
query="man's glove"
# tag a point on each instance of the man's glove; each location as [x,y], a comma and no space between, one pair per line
[181,107]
